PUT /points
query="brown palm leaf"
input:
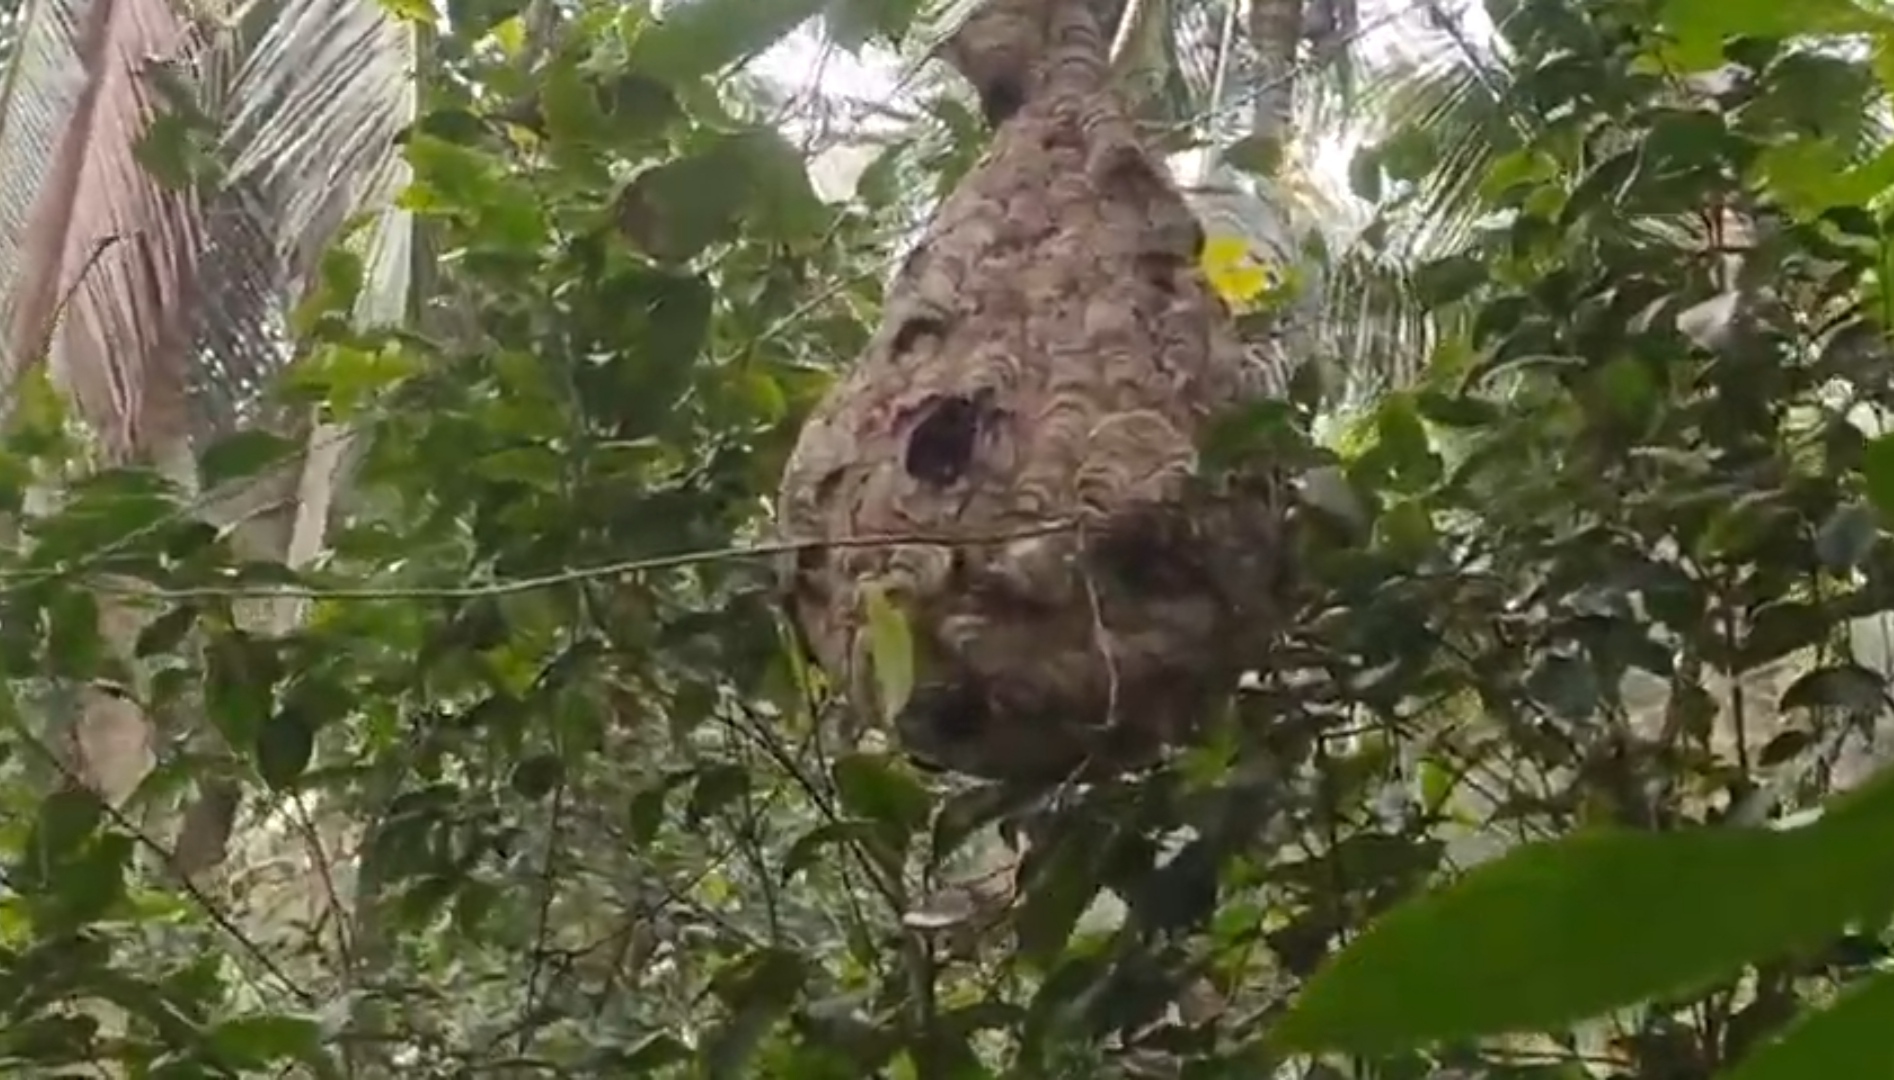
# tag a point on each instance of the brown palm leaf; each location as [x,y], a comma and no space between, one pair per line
[158,299]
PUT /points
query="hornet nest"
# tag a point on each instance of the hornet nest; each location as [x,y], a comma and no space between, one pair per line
[1023,426]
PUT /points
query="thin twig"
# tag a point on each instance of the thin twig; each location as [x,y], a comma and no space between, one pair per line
[507,587]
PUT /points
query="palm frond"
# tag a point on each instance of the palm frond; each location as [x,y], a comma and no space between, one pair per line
[117,250]
[1452,101]
[147,293]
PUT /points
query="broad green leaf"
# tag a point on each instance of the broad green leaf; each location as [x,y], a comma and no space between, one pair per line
[65,821]
[1780,628]
[257,1042]
[1057,884]
[1546,936]
[1364,175]
[645,815]
[1847,538]
[1443,281]
[50,1039]
[1701,26]
[283,747]
[1457,410]
[811,846]
[473,18]
[1877,469]
[1784,747]
[649,1054]
[1405,531]
[165,633]
[753,181]
[891,650]
[1812,176]
[244,455]
[86,888]
[1849,1038]
[696,38]
[1518,169]
[120,509]
[1847,688]
[758,990]
[240,685]
[1255,154]
[537,776]
[1567,685]
[715,787]
[879,788]
[965,812]
[74,646]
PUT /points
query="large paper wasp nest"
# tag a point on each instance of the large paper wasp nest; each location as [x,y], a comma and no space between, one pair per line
[1026,421]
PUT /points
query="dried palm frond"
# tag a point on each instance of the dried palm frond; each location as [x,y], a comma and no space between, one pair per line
[168,176]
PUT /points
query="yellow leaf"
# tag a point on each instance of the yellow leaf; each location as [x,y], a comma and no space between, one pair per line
[891,650]
[1234,271]
[419,12]
[510,35]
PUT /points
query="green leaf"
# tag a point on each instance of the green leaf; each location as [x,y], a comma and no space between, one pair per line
[244,455]
[1701,26]
[1457,410]
[1522,169]
[283,747]
[649,1054]
[967,811]
[1060,882]
[759,990]
[536,776]
[257,1042]
[166,632]
[1444,281]
[1255,154]
[1364,175]
[49,1038]
[1847,538]
[74,647]
[1848,688]
[88,887]
[471,19]
[645,815]
[1410,154]
[751,181]
[700,37]
[1780,628]
[1877,469]
[891,650]
[65,821]
[240,685]
[1784,747]
[1567,685]
[1556,932]
[810,846]
[1849,1038]
[716,787]
[1253,431]
[878,788]
[1405,531]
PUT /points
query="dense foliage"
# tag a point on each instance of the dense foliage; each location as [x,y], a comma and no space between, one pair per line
[538,784]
